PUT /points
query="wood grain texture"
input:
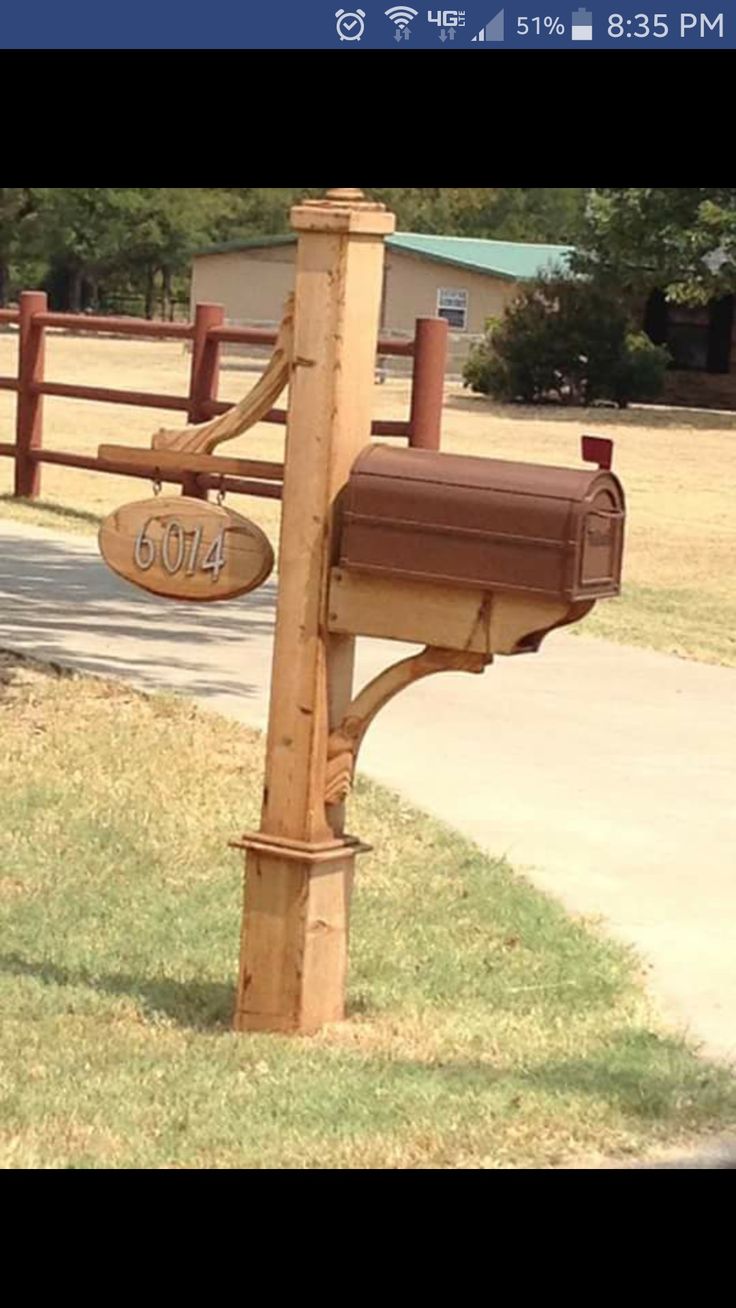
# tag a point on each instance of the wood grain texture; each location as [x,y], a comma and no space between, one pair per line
[178,554]
[345,741]
[294,944]
[451,617]
[162,461]
[338,291]
[202,438]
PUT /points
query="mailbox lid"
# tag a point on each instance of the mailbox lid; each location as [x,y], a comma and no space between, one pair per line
[492,523]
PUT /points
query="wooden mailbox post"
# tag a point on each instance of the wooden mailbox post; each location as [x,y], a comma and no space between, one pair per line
[299,870]
[470,557]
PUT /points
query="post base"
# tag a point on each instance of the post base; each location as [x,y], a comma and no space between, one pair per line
[294,947]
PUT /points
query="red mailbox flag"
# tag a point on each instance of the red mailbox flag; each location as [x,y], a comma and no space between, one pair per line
[598,449]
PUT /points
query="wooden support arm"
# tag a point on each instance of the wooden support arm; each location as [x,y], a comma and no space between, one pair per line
[201,438]
[344,742]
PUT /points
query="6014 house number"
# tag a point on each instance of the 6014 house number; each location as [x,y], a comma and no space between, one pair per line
[179,548]
[186,549]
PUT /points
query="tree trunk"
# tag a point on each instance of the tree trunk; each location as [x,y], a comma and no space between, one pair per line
[166,294]
[4,280]
[92,297]
[75,290]
[150,292]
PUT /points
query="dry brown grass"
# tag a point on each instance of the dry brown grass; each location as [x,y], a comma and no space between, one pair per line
[678,468]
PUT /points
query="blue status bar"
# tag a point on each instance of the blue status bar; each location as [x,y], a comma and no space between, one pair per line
[329,25]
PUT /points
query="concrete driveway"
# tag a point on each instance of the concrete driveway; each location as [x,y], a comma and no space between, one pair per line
[606,774]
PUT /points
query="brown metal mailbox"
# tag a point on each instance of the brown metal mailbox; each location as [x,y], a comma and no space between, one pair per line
[485,555]
[487,523]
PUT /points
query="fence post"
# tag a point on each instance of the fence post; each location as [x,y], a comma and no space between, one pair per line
[204,377]
[428,381]
[29,405]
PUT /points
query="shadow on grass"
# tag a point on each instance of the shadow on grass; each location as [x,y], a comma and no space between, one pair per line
[57,510]
[56,601]
[719,1159]
[647,1077]
[11,663]
[636,416]
[196,1005]
[642,1073]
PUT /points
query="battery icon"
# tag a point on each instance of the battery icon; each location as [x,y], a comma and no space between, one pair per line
[582,25]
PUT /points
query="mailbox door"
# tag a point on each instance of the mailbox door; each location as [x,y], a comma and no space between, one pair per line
[601,542]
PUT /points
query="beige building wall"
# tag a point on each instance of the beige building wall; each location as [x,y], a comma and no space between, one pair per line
[252,284]
[412,286]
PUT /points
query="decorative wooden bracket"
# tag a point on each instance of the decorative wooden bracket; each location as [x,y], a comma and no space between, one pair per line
[202,438]
[344,742]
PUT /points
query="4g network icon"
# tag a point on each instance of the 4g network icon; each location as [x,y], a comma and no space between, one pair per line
[350,23]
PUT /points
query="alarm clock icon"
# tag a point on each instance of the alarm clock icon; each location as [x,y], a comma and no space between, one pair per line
[350,25]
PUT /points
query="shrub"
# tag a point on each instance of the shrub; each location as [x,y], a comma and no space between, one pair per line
[567,340]
[642,369]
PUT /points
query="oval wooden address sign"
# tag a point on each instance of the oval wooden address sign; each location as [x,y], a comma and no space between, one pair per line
[186,549]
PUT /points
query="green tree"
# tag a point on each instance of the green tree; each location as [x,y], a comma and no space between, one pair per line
[96,237]
[85,233]
[262,211]
[679,240]
[172,223]
[546,214]
[567,339]
[89,243]
[18,207]
[538,213]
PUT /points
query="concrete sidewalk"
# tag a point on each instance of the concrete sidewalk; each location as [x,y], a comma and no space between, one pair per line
[607,774]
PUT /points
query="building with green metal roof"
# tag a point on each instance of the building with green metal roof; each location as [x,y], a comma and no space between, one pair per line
[463,279]
[467,281]
[513,260]
[517,260]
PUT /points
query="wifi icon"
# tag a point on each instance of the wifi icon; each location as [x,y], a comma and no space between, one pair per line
[401,15]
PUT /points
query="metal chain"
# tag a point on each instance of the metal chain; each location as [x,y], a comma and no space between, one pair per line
[221,493]
[156,483]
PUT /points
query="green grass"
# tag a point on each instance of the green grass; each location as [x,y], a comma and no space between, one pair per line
[486,1028]
[674,620]
[44,513]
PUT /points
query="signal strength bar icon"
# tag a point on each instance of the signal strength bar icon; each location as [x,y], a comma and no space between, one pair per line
[493,30]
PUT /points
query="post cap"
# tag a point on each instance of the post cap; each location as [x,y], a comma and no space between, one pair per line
[347,194]
[344,209]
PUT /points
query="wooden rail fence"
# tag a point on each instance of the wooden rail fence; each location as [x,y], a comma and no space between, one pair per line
[208,332]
